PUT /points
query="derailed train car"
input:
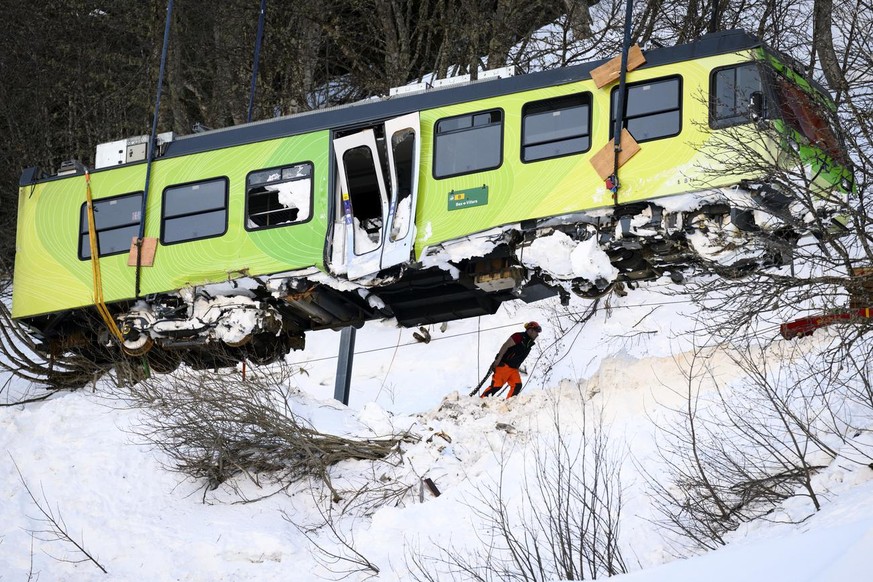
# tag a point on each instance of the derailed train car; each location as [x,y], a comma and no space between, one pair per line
[433,204]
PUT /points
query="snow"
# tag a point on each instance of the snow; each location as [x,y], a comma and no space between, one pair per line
[365,241]
[294,194]
[564,258]
[477,245]
[82,456]
[830,554]
[402,219]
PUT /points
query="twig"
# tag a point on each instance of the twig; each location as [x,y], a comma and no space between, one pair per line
[57,528]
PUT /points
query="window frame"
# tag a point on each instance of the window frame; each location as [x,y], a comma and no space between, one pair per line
[311,179]
[164,216]
[84,230]
[437,134]
[679,107]
[588,100]
[725,122]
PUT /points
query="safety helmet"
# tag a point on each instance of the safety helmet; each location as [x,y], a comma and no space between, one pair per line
[534,326]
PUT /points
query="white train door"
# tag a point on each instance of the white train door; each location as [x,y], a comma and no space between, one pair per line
[378,189]
[403,147]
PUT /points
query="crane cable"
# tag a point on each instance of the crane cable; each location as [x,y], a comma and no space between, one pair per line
[97,281]
[152,145]
[258,40]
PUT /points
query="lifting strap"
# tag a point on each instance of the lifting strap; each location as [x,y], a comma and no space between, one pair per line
[613,182]
[95,266]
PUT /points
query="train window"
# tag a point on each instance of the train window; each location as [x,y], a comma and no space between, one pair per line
[654,109]
[731,93]
[468,143]
[279,196]
[403,151]
[365,197]
[116,222]
[556,127]
[194,211]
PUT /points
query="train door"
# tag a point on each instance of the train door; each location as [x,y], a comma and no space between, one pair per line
[403,148]
[378,183]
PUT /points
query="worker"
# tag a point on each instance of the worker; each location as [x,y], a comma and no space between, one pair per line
[509,359]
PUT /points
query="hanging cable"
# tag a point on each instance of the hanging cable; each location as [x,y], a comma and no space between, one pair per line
[261,18]
[621,111]
[152,145]
[96,280]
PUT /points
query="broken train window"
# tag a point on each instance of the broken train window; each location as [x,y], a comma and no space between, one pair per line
[279,196]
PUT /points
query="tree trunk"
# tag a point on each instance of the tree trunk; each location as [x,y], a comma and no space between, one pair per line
[823,43]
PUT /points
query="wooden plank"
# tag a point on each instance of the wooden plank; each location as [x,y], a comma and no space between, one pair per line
[149,246]
[610,71]
[604,160]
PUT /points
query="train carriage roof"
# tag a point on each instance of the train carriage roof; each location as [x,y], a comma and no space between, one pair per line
[375,109]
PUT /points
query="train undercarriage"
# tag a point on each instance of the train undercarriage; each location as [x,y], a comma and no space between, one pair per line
[586,254]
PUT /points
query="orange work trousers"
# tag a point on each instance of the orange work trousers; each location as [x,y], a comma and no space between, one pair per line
[504,375]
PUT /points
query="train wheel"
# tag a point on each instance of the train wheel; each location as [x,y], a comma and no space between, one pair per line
[591,291]
[163,361]
[265,350]
[244,341]
[138,347]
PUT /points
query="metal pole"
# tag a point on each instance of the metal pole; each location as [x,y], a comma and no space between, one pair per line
[344,365]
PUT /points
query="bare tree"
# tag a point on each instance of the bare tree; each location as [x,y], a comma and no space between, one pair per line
[212,426]
[564,524]
[691,498]
[340,554]
[25,359]
[735,452]
[567,324]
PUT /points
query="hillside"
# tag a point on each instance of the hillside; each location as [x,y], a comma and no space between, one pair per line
[83,457]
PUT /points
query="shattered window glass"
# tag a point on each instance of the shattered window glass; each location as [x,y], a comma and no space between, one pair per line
[279,197]
[800,111]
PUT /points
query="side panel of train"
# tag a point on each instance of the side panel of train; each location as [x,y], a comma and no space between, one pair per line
[541,180]
[195,209]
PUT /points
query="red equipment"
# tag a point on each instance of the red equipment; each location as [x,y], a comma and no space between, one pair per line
[861,289]
[806,325]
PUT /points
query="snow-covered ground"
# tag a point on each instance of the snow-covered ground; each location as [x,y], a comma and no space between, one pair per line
[82,458]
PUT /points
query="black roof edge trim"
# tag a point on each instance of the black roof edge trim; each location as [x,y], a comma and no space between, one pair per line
[30,176]
[376,109]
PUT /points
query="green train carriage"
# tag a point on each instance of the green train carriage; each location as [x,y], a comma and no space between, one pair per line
[417,206]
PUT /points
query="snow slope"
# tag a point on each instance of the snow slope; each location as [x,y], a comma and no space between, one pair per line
[82,458]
